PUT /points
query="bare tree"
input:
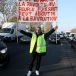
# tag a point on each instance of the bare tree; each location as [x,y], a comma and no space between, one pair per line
[8,8]
[2,5]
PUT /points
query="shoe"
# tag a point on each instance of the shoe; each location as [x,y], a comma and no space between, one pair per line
[37,72]
[29,73]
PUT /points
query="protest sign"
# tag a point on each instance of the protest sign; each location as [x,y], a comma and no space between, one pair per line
[37,10]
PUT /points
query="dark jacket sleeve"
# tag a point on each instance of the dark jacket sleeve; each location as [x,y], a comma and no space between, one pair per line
[26,33]
[48,33]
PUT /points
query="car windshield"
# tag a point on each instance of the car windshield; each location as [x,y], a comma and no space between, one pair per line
[5,30]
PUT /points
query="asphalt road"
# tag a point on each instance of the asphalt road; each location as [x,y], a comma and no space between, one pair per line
[60,60]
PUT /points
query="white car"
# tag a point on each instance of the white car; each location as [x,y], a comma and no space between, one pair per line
[25,39]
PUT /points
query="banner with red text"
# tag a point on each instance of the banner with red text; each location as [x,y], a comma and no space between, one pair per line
[37,10]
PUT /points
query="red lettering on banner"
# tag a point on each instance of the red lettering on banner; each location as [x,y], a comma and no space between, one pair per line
[37,10]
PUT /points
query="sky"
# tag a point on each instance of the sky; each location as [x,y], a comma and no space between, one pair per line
[66,15]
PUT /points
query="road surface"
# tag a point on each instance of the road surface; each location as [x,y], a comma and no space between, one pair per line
[60,60]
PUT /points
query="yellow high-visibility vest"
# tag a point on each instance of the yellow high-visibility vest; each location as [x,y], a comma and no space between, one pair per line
[41,43]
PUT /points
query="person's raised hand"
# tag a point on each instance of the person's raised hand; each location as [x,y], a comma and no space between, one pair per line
[56,27]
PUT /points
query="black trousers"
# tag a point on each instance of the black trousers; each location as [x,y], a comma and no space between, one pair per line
[37,57]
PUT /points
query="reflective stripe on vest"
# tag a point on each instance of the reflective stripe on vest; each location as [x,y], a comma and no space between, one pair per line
[41,43]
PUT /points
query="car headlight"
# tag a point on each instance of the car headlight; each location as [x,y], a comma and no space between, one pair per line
[3,50]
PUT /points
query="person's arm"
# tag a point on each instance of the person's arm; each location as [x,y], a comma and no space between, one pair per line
[25,33]
[50,32]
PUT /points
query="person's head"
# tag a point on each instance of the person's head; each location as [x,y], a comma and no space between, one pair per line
[38,30]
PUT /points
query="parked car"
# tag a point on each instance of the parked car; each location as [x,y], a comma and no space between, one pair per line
[73,42]
[67,35]
[61,36]
[4,57]
[9,30]
[71,36]
[25,39]
[54,38]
